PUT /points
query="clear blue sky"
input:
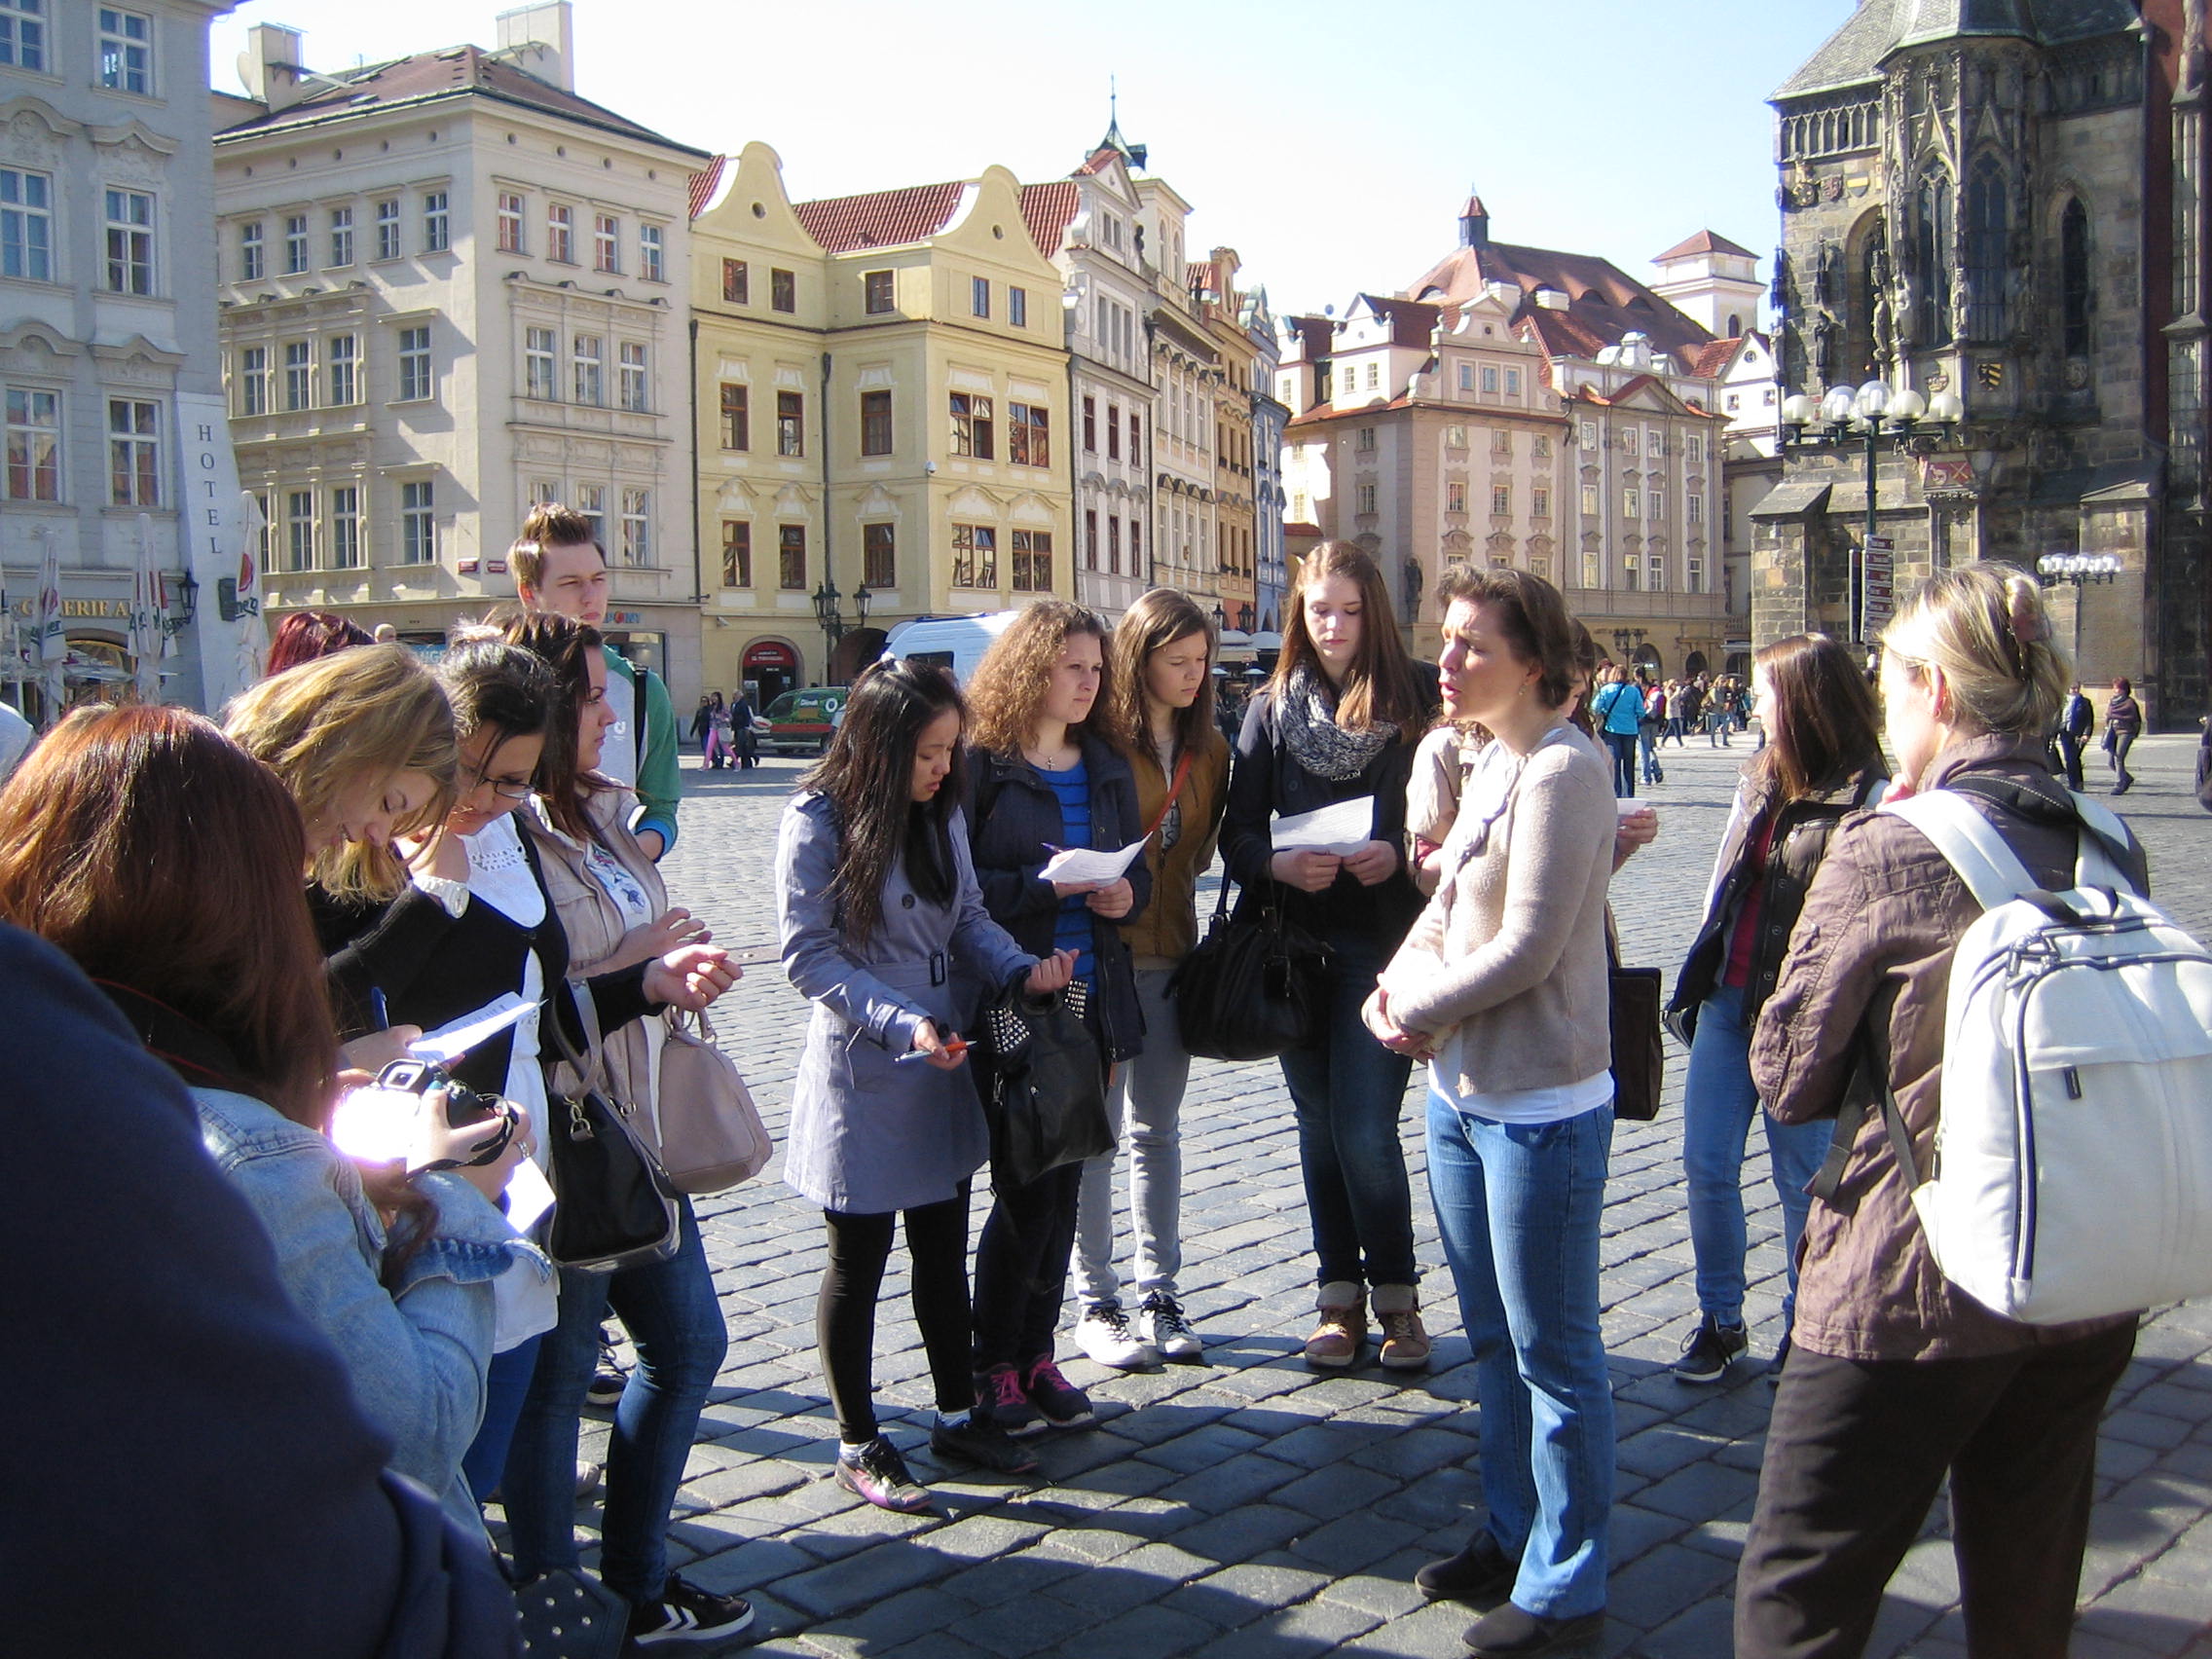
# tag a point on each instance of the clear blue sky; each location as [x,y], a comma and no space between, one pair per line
[1330,144]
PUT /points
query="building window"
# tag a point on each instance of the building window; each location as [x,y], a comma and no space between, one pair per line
[1466,377]
[1090,425]
[134,453]
[736,287]
[1632,505]
[1693,579]
[1455,496]
[129,243]
[1455,437]
[879,556]
[34,445]
[346,528]
[1932,231]
[252,262]
[1028,437]
[607,243]
[653,262]
[631,375]
[1032,561]
[979,296]
[1114,542]
[1589,434]
[974,556]
[1541,449]
[1655,573]
[737,553]
[1490,377]
[253,380]
[1654,442]
[791,557]
[510,222]
[1501,442]
[587,354]
[736,418]
[876,292]
[2074,277]
[590,500]
[1539,503]
[544,492]
[1500,501]
[126,52]
[418,523]
[23,33]
[1693,449]
[783,290]
[1135,546]
[1693,507]
[790,423]
[1365,441]
[388,230]
[1136,448]
[1655,504]
[1113,431]
[341,237]
[560,233]
[972,425]
[1513,383]
[295,243]
[1589,500]
[299,530]
[299,375]
[1373,375]
[416,380]
[437,223]
[1018,307]
[875,423]
[541,374]
[1090,539]
[1632,579]
[637,527]
[1366,498]
[1987,260]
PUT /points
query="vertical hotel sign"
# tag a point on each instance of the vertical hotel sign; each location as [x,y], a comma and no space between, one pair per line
[210,543]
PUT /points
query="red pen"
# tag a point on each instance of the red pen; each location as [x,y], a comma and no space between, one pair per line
[958,1045]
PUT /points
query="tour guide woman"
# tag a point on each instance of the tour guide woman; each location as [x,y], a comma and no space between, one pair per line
[1502,985]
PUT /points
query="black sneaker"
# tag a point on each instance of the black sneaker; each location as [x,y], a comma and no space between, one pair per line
[1481,1569]
[1001,1402]
[1709,1350]
[880,1474]
[606,1384]
[1511,1631]
[984,1444]
[686,1612]
[1058,1401]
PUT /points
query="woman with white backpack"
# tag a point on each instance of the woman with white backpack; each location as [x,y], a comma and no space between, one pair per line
[1897,1378]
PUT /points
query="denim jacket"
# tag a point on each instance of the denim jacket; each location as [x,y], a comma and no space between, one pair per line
[415,1353]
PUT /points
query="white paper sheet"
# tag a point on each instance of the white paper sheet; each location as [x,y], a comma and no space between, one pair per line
[1341,829]
[449,1042]
[1082,863]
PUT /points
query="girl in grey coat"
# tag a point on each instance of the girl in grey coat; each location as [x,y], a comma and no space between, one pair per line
[884,928]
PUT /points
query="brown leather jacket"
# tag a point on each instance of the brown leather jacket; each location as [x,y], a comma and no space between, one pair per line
[1873,949]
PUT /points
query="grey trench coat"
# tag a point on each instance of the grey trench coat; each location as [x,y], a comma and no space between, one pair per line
[868,1135]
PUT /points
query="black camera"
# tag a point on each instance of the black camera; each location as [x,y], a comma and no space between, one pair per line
[464,1105]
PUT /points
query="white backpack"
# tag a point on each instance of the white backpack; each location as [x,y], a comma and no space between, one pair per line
[2073,1172]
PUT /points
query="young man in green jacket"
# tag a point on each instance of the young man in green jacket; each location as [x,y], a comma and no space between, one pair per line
[560,567]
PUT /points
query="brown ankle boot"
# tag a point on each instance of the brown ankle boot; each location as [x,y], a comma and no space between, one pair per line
[1405,1344]
[1337,1340]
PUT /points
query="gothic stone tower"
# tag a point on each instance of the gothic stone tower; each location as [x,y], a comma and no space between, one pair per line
[1972,194]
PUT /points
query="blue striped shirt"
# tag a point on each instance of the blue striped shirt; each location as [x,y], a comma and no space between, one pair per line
[1070,928]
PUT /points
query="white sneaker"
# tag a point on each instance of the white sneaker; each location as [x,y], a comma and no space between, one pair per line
[1160,1322]
[1105,1334]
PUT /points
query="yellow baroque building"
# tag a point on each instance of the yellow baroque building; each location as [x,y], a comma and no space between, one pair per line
[882,397]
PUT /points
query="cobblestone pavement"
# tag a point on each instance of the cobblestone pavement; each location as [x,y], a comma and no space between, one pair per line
[1244,1507]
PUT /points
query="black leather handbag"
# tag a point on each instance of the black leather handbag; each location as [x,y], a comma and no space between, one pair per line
[1046,1099]
[1252,988]
[1639,1055]
[614,1207]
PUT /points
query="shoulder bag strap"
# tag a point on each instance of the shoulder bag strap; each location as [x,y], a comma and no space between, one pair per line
[1182,771]
[1970,845]
[1869,1081]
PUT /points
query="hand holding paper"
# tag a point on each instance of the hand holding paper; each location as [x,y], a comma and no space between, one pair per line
[1341,829]
[1076,867]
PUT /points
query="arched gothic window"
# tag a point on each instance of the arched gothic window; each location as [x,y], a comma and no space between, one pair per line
[1987,227]
[1932,244]
[2073,296]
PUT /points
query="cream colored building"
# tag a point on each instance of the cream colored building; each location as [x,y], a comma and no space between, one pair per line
[883,408]
[453,288]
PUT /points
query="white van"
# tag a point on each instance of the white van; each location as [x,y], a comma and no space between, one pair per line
[957,642]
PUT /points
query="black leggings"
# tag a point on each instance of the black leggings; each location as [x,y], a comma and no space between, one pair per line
[1021,1268]
[844,1312]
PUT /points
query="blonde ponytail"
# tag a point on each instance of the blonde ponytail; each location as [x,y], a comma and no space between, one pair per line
[1985,626]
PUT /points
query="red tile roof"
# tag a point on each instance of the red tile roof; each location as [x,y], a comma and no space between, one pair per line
[1097,161]
[1049,209]
[457,71]
[1707,361]
[1413,322]
[704,183]
[1605,302]
[1704,241]
[881,219]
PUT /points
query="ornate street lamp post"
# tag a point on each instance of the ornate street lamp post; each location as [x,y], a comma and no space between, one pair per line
[2078,571]
[832,619]
[1874,411]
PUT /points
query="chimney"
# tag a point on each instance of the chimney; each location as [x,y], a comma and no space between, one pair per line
[541,39]
[270,65]
[1474,224]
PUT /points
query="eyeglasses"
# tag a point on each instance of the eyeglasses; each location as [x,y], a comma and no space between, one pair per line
[505,791]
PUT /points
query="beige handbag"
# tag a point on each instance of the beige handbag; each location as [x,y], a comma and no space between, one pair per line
[711,1136]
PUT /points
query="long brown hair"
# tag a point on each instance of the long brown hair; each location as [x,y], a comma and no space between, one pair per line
[1381,685]
[1826,728]
[163,856]
[1159,619]
[1010,683]
[567,646]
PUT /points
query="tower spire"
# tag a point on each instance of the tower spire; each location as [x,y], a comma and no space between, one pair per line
[1134,153]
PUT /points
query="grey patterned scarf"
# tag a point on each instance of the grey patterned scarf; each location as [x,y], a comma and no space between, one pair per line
[1307,722]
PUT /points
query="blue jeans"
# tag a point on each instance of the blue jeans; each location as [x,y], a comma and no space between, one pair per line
[506,1384]
[1718,1102]
[1348,1091]
[1647,747]
[1518,1206]
[677,1324]
[1623,746]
